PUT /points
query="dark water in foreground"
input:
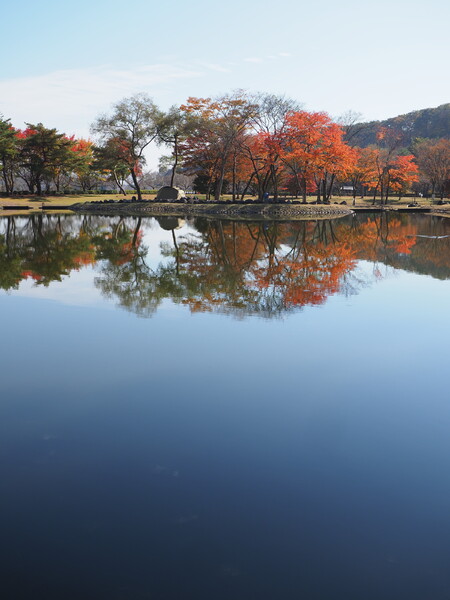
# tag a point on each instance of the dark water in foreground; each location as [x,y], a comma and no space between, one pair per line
[224,410]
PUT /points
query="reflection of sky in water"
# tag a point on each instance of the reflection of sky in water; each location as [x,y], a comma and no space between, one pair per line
[76,289]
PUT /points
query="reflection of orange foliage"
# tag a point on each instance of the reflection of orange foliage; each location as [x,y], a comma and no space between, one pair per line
[31,275]
[85,258]
[402,237]
[265,267]
[404,246]
[369,237]
[288,264]
[316,274]
[127,250]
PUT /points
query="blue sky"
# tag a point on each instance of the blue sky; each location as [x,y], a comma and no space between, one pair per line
[67,62]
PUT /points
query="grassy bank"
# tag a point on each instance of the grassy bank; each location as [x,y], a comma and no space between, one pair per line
[25,204]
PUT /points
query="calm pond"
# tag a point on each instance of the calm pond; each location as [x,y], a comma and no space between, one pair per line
[225,410]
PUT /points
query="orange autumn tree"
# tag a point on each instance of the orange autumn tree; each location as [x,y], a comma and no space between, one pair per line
[312,150]
[394,173]
[404,172]
[389,140]
[336,159]
[363,172]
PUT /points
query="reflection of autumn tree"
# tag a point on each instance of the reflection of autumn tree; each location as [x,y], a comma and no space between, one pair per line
[409,242]
[312,269]
[41,248]
[270,268]
[47,247]
[53,253]
[421,250]
[10,258]
[260,268]
[379,238]
[264,268]
[213,265]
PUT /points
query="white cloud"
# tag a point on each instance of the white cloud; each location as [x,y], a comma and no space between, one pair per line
[71,99]
[284,54]
[253,59]
[215,67]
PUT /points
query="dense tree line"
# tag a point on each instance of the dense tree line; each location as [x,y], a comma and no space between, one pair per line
[241,144]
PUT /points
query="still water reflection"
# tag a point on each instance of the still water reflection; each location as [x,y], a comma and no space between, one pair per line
[243,268]
[194,455]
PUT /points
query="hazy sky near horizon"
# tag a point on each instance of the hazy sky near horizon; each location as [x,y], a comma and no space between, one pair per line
[66,63]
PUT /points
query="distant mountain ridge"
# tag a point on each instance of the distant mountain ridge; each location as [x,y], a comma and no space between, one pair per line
[426,123]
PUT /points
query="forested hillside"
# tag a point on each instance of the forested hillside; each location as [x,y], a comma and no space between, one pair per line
[431,123]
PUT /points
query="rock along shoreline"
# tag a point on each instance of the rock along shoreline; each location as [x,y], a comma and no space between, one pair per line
[254,210]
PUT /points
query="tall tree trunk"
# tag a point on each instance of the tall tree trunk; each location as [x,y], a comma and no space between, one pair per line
[274,183]
[136,183]
[375,194]
[7,178]
[234,178]
[330,187]
[219,183]
[247,186]
[208,192]
[174,168]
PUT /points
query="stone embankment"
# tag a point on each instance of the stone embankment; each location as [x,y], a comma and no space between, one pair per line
[246,210]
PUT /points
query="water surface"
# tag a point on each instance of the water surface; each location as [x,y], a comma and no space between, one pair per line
[228,410]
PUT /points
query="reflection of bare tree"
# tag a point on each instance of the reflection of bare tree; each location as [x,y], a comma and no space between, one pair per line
[126,275]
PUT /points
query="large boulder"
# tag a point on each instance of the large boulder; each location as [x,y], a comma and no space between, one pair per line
[170,194]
